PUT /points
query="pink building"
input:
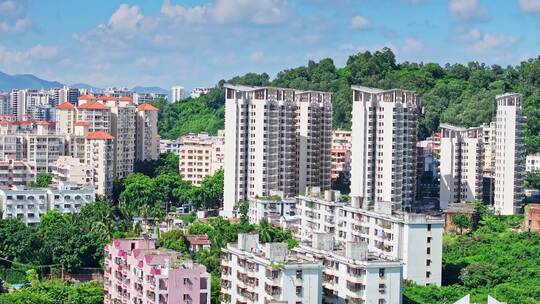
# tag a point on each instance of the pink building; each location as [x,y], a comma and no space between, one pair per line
[136,273]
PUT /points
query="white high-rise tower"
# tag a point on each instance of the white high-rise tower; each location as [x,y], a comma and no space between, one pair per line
[176,93]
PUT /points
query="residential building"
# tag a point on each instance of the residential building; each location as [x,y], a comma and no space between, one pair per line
[351,274]
[532,162]
[273,208]
[200,156]
[383,164]
[461,164]
[95,113]
[196,92]
[28,204]
[99,154]
[198,242]
[4,103]
[147,138]
[341,154]
[138,272]
[318,212]
[16,172]
[427,174]
[413,238]
[489,147]
[44,150]
[68,169]
[509,154]
[466,209]
[141,98]
[532,218]
[118,92]
[169,146]
[66,116]
[176,93]
[276,139]
[268,273]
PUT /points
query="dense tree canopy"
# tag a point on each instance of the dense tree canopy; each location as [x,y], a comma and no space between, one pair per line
[462,94]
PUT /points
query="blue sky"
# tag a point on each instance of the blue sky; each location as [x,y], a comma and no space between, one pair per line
[197,43]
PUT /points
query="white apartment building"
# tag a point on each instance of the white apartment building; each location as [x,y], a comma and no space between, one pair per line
[383,164]
[140,98]
[95,113]
[176,93]
[16,172]
[414,239]
[489,147]
[268,273]
[341,153]
[509,154]
[4,103]
[44,150]
[318,212]
[532,162]
[461,164]
[12,146]
[200,156]
[99,154]
[276,139]
[272,208]
[28,204]
[169,146]
[118,92]
[66,116]
[351,274]
[71,170]
[147,138]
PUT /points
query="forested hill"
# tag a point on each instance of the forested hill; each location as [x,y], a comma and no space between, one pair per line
[453,93]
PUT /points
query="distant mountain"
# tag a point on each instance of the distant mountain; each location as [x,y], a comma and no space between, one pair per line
[22,81]
[86,86]
[141,89]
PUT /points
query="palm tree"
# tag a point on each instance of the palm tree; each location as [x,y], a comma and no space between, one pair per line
[265,230]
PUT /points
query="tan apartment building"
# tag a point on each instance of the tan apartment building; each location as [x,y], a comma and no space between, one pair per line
[200,155]
[341,153]
[147,140]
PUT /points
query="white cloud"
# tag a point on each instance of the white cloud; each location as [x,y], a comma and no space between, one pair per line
[195,14]
[412,45]
[126,18]
[468,9]
[359,22]
[147,62]
[256,56]
[43,52]
[258,12]
[529,6]
[484,43]
[471,35]
[13,18]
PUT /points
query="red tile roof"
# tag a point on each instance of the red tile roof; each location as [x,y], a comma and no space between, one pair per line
[87,97]
[65,106]
[198,239]
[93,105]
[99,135]
[126,98]
[105,97]
[147,107]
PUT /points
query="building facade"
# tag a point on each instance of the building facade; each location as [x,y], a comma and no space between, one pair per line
[200,156]
[383,164]
[269,273]
[509,154]
[16,172]
[341,154]
[99,154]
[147,139]
[138,272]
[532,162]
[275,140]
[176,93]
[461,164]
[169,146]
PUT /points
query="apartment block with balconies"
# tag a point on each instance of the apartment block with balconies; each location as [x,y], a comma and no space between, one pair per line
[199,156]
[268,273]
[318,212]
[138,272]
[509,154]
[147,138]
[276,139]
[383,165]
[16,172]
[461,164]
[352,274]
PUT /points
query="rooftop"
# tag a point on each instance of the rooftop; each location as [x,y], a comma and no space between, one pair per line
[147,107]
[99,135]
[93,105]
[65,106]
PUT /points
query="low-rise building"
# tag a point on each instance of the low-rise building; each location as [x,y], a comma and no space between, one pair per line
[269,273]
[169,146]
[200,156]
[318,212]
[198,242]
[272,208]
[68,169]
[466,209]
[532,162]
[138,272]
[532,217]
[16,172]
[28,204]
[351,274]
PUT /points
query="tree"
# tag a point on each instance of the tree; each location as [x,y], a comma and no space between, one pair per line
[532,180]
[43,180]
[265,231]
[461,221]
[141,195]
[18,242]
[174,240]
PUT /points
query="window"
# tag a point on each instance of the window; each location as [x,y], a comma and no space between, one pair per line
[381,272]
[429,227]
[428,251]
[428,274]
[428,262]
[299,274]
[299,291]
[429,239]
